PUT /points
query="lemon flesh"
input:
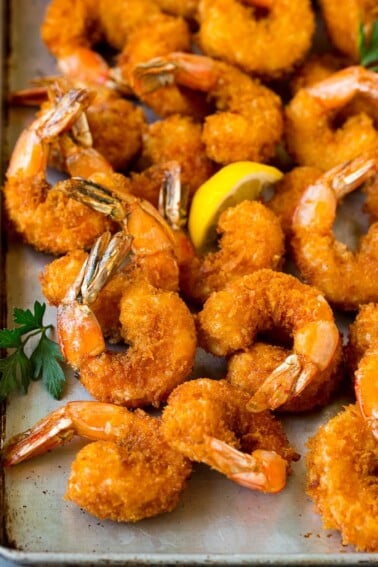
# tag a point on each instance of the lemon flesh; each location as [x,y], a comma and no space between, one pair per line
[234,183]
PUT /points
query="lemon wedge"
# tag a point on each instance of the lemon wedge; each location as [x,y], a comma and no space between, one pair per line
[234,183]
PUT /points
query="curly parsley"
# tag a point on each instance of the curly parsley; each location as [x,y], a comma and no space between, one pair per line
[17,369]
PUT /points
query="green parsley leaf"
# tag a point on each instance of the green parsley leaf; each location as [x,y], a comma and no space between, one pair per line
[10,338]
[45,362]
[15,373]
[368,50]
[29,321]
[17,369]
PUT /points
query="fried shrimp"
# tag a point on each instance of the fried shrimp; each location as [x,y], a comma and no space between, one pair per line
[154,247]
[69,30]
[288,192]
[320,67]
[58,276]
[178,138]
[343,27]
[109,116]
[153,243]
[154,259]
[346,278]
[250,238]
[273,303]
[128,473]
[311,137]
[362,360]
[136,28]
[248,124]
[207,421]
[269,46]
[47,218]
[250,368]
[156,324]
[342,478]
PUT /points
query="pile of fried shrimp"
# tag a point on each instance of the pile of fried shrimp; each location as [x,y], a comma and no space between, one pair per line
[226,81]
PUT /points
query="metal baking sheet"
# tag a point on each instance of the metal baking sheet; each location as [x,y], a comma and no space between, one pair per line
[217,522]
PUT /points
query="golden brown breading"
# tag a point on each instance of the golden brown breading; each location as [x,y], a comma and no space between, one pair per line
[342,478]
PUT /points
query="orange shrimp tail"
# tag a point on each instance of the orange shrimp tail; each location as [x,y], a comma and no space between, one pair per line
[342,86]
[263,470]
[196,72]
[34,96]
[85,65]
[79,333]
[278,388]
[48,433]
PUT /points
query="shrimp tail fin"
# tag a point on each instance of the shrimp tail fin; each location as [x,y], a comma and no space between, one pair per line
[278,387]
[154,74]
[65,113]
[262,470]
[50,432]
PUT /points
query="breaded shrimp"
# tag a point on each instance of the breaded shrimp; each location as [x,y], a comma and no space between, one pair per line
[269,46]
[250,368]
[363,359]
[154,248]
[250,238]
[136,28]
[342,478]
[248,124]
[343,25]
[346,278]
[312,139]
[128,473]
[58,276]
[47,218]
[178,138]
[273,302]
[207,421]
[156,324]
[320,67]
[154,259]
[158,37]
[109,116]
[116,125]
[153,243]
[288,191]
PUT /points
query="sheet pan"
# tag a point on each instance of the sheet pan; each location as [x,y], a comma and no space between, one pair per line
[217,522]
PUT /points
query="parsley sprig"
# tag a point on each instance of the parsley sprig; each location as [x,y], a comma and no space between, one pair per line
[368,49]
[17,369]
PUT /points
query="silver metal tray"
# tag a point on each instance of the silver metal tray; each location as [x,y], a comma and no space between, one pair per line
[217,522]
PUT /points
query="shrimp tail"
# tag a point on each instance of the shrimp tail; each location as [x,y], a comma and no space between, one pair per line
[279,385]
[192,71]
[62,116]
[173,197]
[52,431]
[79,331]
[154,74]
[262,470]
[93,195]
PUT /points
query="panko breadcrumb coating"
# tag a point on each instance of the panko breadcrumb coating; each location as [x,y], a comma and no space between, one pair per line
[342,478]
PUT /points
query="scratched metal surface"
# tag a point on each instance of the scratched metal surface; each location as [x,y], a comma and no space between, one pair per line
[217,522]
